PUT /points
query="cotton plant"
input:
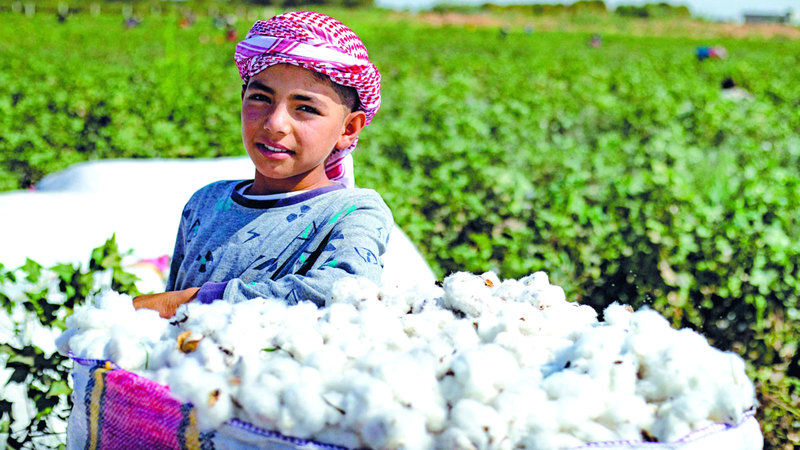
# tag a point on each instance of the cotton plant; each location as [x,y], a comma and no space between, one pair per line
[476,363]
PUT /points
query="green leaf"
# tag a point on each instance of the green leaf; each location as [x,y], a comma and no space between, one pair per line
[59,387]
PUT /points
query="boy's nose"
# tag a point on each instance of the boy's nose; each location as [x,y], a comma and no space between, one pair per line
[277,121]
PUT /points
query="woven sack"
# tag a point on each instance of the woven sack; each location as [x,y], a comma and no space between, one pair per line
[114,408]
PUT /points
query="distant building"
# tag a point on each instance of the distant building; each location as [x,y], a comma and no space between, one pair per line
[788,17]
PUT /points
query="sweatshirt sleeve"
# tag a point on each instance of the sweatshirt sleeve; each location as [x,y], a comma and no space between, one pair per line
[352,246]
[177,254]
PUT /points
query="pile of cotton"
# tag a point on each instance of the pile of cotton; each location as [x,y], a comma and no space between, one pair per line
[475,363]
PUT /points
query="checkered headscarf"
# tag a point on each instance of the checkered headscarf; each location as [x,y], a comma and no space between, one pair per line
[320,43]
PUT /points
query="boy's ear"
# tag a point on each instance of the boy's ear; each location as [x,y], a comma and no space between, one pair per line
[353,124]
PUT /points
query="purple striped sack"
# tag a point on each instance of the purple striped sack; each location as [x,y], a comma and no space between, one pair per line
[117,409]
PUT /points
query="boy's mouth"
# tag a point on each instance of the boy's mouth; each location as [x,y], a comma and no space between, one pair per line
[271,149]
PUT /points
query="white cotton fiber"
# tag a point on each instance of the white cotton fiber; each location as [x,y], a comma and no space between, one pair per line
[479,363]
[480,373]
[467,294]
[479,423]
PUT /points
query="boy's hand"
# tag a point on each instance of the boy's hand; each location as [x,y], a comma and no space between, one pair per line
[166,302]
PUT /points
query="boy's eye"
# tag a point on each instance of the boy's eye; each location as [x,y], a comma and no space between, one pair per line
[258,97]
[308,109]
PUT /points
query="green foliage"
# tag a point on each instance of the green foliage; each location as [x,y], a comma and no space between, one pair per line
[653,10]
[623,171]
[33,297]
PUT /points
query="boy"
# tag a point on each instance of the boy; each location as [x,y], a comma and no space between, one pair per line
[299,225]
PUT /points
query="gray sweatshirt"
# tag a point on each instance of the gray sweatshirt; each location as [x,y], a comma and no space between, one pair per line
[237,248]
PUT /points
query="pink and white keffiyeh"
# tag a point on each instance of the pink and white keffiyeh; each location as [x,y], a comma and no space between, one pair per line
[320,43]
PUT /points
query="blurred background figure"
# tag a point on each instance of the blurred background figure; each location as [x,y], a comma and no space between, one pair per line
[132,22]
[733,92]
[187,19]
[596,41]
[715,52]
[62,13]
[230,28]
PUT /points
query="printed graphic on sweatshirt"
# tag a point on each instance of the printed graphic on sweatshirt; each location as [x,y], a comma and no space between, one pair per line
[253,234]
[367,255]
[193,231]
[204,260]
[224,204]
[303,210]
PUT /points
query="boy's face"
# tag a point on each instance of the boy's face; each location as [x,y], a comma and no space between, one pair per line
[291,121]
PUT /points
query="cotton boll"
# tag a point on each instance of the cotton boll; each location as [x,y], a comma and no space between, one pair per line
[208,392]
[514,405]
[536,280]
[673,367]
[648,321]
[468,294]
[90,344]
[594,432]
[340,314]
[261,400]
[403,300]
[490,279]
[460,334]
[428,323]
[398,428]
[540,293]
[126,351]
[381,326]
[62,341]
[160,353]
[551,440]
[527,350]
[147,325]
[304,410]
[329,360]
[480,423]
[411,378]
[541,417]
[210,356]
[115,303]
[352,290]
[299,341]
[509,290]
[91,318]
[281,365]
[727,406]
[483,371]
[523,318]
[627,414]
[569,319]
[364,396]
[206,318]
[579,397]
[734,393]
[618,315]
[669,425]
[596,350]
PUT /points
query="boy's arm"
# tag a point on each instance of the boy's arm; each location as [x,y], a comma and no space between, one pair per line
[352,247]
[165,302]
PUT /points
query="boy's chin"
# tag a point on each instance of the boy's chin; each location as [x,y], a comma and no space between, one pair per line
[271,183]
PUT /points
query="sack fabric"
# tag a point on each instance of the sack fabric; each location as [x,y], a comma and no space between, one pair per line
[117,409]
[114,408]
